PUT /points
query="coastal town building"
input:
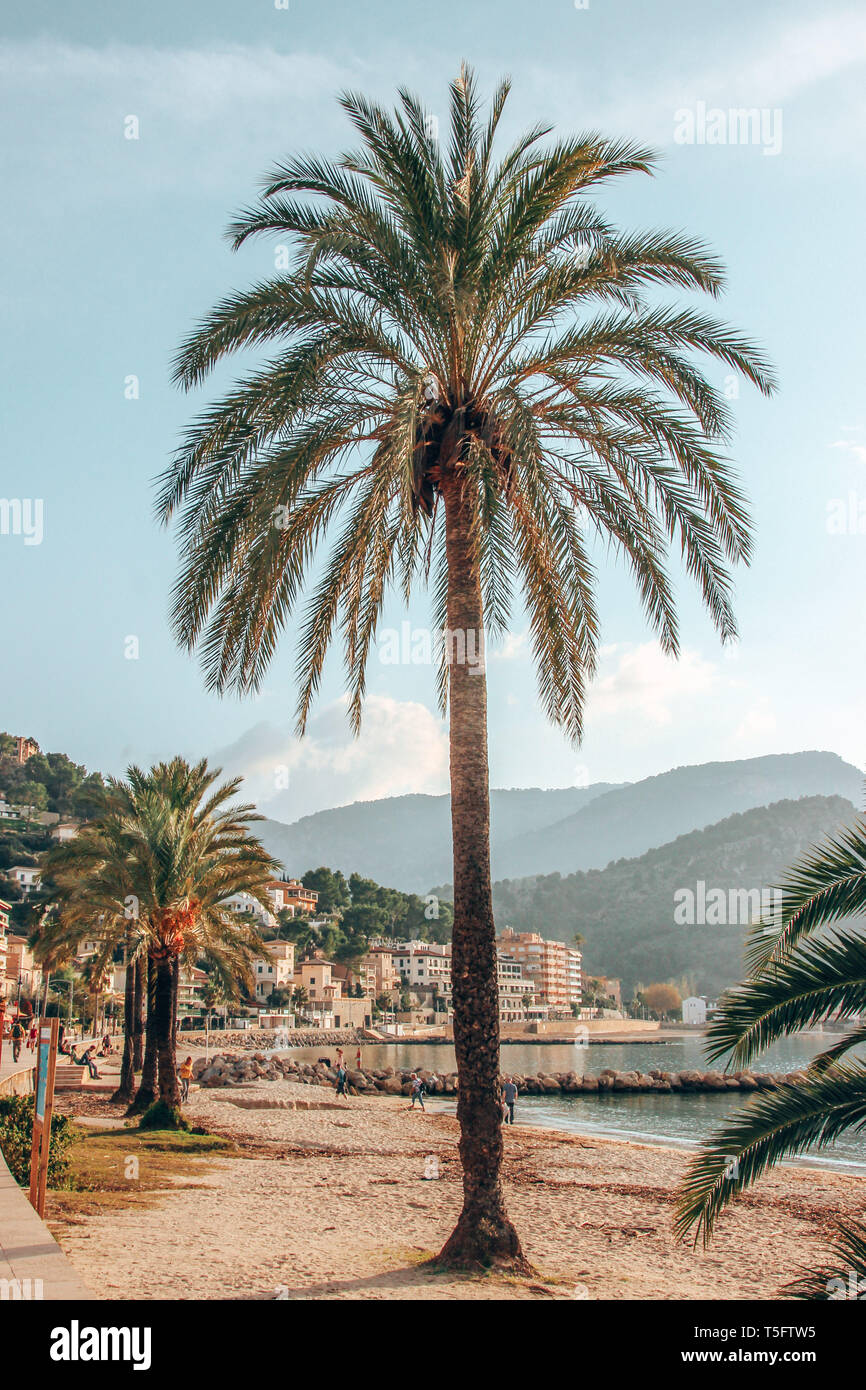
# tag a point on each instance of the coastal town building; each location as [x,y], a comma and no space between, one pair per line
[378,972]
[23,975]
[248,906]
[291,895]
[190,984]
[424,970]
[695,1009]
[65,830]
[516,992]
[274,971]
[25,748]
[25,877]
[325,1004]
[553,967]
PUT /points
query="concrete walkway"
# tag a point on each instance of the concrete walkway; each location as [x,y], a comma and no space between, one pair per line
[32,1265]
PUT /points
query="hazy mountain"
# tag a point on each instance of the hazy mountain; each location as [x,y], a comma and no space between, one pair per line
[629,820]
[405,841]
[627,911]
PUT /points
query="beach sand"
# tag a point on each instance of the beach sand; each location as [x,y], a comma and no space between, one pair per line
[340,1203]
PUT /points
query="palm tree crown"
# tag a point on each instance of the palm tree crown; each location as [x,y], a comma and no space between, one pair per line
[451,316]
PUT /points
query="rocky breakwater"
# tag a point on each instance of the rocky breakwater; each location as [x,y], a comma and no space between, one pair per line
[660,1082]
[265,1039]
[233,1069]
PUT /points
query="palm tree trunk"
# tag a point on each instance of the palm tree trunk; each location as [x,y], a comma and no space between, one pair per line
[166,1008]
[146,1093]
[483,1235]
[126,1089]
[138,1014]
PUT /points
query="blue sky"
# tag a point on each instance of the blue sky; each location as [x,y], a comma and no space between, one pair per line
[113,247]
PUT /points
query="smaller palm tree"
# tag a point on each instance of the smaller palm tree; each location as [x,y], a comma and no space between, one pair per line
[804,969]
[175,847]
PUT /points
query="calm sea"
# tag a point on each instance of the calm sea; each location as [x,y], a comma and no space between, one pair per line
[681,1120]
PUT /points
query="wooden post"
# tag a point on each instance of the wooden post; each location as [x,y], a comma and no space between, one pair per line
[43,1106]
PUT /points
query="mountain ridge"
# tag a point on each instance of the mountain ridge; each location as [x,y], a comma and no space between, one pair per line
[405,841]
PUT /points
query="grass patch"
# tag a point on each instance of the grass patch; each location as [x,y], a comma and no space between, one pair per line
[117,1168]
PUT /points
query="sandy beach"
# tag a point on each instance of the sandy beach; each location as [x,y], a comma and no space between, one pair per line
[348,1201]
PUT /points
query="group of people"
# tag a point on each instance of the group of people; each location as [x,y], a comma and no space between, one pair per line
[508,1097]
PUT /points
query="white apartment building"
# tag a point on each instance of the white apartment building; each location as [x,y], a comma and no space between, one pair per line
[26,877]
[274,971]
[249,906]
[516,992]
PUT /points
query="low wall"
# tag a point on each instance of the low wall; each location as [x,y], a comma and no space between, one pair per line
[19,1083]
[566,1030]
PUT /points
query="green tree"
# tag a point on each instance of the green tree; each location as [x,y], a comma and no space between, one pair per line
[807,966]
[168,850]
[469,375]
[332,888]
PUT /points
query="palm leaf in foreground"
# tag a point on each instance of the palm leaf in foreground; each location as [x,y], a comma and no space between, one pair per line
[843,1280]
[772,1126]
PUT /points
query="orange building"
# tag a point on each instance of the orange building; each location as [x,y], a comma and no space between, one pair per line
[25,749]
[552,966]
[300,901]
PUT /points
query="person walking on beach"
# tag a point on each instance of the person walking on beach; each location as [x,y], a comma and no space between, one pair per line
[185,1074]
[339,1056]
[358,1059]
[417,1091]
[17,1039]
[341,1080]
[509,1096]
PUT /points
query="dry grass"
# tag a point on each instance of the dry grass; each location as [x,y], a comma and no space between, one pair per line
[114,1169]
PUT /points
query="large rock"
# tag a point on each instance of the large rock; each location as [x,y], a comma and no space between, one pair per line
[690,1080]
[714,1081]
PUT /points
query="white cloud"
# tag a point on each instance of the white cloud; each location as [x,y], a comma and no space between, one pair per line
[512,647]
[402,748]
[857,451]
[644,680]
[757,725]
[781,62]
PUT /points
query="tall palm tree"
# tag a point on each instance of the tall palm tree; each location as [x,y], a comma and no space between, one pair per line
[467,374]
[177,847]
[803,968]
